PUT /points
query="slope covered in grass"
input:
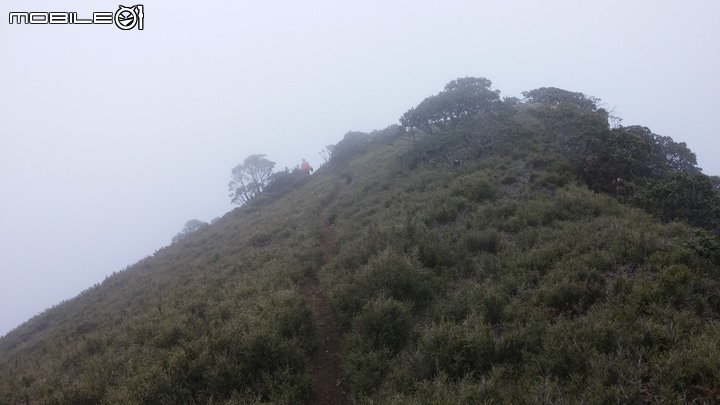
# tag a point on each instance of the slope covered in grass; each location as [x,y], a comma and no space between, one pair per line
[486,251]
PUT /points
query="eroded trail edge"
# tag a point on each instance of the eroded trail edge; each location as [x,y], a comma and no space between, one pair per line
[327,387]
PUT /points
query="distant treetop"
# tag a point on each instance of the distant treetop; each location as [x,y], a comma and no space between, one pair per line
[555,96]
[464,98]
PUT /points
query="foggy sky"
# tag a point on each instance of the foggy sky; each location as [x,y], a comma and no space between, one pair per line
[111,140]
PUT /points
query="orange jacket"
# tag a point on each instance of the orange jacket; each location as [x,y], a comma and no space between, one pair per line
[305,167]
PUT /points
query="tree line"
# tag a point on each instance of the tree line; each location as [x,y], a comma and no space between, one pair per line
[630,162]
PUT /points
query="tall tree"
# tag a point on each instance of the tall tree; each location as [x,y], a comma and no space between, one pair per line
[250,178]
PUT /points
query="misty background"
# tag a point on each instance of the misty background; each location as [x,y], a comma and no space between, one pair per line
[111,140]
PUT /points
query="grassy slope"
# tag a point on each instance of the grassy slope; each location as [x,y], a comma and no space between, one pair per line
[502,278]
[505,279]
[216,316]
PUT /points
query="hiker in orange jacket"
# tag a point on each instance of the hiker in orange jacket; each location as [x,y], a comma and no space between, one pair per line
[305,167]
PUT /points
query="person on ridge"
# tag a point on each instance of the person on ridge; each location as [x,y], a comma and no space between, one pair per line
[305,167]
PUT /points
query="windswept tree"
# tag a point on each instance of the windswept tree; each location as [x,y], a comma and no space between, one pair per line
[250,178]
[468,98]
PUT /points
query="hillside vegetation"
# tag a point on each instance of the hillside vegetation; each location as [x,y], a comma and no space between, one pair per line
[485,250]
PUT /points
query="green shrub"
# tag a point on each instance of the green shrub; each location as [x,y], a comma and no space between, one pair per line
[383,323]
[260,362]
[509,179]
[692,372]
[486,241]
[352,144]
[473,298]
[540,161]
[520,341]
[442,390]
[283,182]
[475,187]
[571,289]
[550,180]
[493,307]
[378,332]
[445,211]
[390,273]
[365,370]
[563,354]
[260,239]
[289,312]
[455,349]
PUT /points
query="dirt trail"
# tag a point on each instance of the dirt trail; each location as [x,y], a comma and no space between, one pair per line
[327,387]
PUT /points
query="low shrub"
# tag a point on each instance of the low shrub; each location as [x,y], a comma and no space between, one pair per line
[455,349]
[483,241]
[378,332]
[476,187]
[446,210]
[364,371]
[352,144]
[383,323]
[399,276]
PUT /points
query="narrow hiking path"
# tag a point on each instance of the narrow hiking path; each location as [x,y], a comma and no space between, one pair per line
[327,386]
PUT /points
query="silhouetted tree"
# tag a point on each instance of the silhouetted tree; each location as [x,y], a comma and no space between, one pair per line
[250,178]
[326,153]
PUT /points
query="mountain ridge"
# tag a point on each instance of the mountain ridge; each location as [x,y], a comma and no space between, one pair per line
[487,248]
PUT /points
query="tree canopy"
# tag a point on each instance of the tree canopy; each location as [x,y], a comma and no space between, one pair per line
[557,97]
[649,170]
[462,99]
[250,178]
